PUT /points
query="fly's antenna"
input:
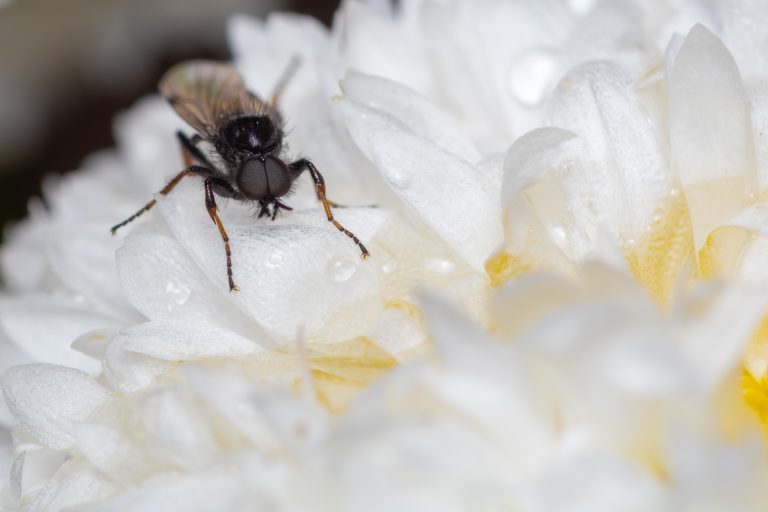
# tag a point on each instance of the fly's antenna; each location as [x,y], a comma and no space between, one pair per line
[284,80]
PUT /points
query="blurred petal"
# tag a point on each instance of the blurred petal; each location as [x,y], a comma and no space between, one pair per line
[48,400]
[45,327]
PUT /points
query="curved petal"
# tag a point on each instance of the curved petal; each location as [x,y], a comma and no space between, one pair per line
[430,181]
[48,400]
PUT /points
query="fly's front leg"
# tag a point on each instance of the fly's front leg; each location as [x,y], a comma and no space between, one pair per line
[192,170]
[213,211]
[296,169]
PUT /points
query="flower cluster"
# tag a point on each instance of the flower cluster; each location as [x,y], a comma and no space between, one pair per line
[563,309]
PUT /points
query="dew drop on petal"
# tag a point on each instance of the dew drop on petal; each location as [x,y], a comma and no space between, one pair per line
[341,269]
[439,266]
[178,293]
[530,74]
[581,6]
[389,266]
[275,259]
[398,178]
[630,243]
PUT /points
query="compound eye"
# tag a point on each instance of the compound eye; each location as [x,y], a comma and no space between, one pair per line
[252,179]
[278,176]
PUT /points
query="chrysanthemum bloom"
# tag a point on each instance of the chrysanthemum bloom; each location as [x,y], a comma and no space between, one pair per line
[566,280]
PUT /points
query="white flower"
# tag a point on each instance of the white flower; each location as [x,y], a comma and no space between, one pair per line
[625,159]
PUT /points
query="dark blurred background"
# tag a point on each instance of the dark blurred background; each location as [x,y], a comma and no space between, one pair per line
[68,66]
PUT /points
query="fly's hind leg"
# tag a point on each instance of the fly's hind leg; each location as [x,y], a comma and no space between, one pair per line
[297,168]
[190,152]
[192,170]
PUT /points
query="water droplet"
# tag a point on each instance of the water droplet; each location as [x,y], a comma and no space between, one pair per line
[530,75]
[275,259]
[398,178]
[581,6]
[439,266]
[341,269]
[178,293]
[389,266]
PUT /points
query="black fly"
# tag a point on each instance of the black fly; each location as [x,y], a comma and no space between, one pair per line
[246,133]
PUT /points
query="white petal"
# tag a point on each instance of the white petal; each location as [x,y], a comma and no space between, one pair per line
[376,45]
[531,157]
[738,246]
[396,333]
[10,356]
[45,327]
[431,181]
[595,483]
[189,341]
[22,256]
[144,135]
[623,177]
[710,131]
[128,371]
[32,468]
[176,429]
[489,382]
[6,459]
[163,282]
[746,35]
[291,277]
[610,32]
[410,455]
[411,109]
[715,475]
[83,256]
[113,452]
[94,343]
[715,342]
[75,483]
[48,400]
[270,417]
[215,489]
[524,301]
[498,64]
[759,116]
[278,40]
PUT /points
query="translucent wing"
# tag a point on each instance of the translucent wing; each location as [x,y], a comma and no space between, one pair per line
[206,93]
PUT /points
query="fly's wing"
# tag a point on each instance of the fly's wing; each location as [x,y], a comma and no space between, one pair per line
[206,93]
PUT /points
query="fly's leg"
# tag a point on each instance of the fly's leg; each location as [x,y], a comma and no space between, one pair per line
[190,152]
[297,168]
[192,170]
[213,211]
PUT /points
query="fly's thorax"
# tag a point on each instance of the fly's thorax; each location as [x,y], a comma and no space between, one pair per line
[250,134]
